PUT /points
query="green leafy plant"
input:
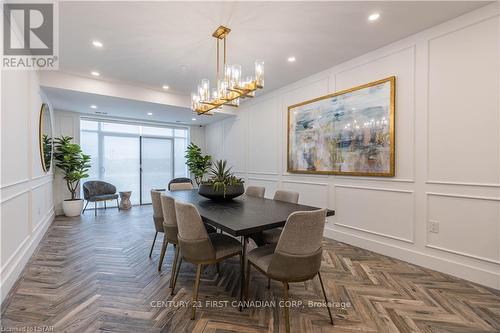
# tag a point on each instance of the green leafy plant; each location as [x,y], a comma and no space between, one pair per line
[72,162]
[197,163]
[221,177]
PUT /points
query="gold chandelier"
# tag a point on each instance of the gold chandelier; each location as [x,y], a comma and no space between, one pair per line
[230,86]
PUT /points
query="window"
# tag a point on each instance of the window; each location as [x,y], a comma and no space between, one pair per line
[134,157]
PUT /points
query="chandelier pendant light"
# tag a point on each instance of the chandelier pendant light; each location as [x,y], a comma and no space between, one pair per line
[230,86]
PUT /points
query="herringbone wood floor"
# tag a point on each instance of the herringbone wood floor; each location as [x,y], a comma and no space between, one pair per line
[94,274]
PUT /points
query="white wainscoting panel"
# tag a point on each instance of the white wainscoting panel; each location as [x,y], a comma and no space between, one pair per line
[15,224]
[383,212]
[16,136]
[468,225]
[311,193]
[463,120]
[235,142]
[262,137]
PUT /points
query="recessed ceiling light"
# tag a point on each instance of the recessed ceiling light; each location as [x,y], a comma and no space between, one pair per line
[150,113]
[97,43]
[291,59]
[374,17]
[165,87]
[193,119]
[94,73]
[93,106]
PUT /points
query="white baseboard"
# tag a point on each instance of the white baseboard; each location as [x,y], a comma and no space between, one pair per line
[444,265]
[10,273]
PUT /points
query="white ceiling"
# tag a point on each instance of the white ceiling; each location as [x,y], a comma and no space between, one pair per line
[155,43]
[69,100]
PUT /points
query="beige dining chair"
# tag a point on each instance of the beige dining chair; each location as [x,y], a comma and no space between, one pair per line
[296,257]
[157,214]
[200,248]
[181,186]
[170,233]
[272,236]
[178,184]
[255,191]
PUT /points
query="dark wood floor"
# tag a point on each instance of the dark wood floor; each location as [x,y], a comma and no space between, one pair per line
[94,275]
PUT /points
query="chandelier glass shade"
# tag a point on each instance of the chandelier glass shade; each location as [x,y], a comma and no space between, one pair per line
[230,86]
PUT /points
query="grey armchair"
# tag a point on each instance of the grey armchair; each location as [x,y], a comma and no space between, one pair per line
[178,184]
[96,190]
[157,214]
[255,191]
[170,231]
[199,247]
[272,236]
[296,257]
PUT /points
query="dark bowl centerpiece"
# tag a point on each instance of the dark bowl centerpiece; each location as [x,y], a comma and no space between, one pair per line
[222,184]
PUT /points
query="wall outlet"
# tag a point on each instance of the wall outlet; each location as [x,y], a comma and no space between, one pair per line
[434,227]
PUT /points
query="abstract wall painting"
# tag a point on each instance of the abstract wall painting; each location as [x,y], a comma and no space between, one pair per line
[350,132]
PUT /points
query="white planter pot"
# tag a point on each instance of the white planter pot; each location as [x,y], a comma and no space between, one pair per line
[72,207]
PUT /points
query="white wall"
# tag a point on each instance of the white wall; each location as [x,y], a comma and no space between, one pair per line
[26,200]
[447,150]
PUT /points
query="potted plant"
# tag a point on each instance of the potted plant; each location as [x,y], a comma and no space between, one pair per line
[222,184]
[197,163]
[74,165]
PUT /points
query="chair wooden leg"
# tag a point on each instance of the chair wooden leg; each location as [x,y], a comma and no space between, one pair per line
[163,250]
[177,269]
[247,281]
[285,305]
[85,206]
[174,267]
[324,295]
[268,283]
[95,208]
[218,268]
[153,245]
[195,291]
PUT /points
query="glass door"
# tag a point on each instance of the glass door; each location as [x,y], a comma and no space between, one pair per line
[120,164]
[157,167]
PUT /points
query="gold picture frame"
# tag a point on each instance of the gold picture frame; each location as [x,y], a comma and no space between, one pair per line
[380,143]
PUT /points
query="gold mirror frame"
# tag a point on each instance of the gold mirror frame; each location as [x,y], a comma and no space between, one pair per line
[43,111]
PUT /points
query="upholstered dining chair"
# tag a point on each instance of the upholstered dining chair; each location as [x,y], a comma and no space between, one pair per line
[200,248]
[96,190]
[170,231]
[178,184]
[255,191]
[296,257]
[157,214]
[272,236]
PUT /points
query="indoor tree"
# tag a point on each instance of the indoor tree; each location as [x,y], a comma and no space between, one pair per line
[197,163]
[73,163]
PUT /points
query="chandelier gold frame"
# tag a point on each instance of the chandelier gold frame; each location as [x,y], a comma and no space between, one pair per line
[232,89]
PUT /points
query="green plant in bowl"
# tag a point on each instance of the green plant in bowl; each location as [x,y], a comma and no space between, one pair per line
[222,184]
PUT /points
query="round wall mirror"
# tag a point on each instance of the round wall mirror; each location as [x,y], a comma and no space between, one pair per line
[45,137]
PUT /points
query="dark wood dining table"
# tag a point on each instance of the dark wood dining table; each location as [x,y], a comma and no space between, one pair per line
[243,216]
